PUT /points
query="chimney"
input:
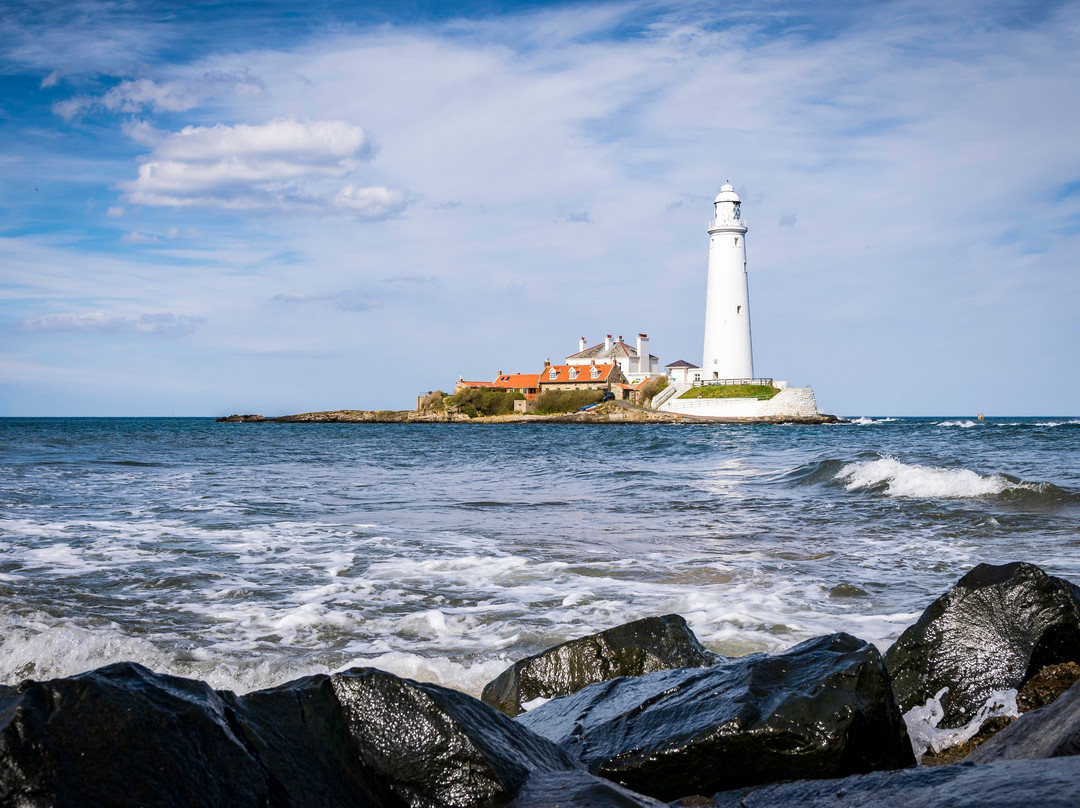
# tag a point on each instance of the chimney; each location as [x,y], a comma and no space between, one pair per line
[643,353]
[547,363]
[581,345]
[607,342]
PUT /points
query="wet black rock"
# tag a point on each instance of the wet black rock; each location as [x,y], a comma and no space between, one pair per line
[1007,784]
[1048,732]
[124,736]
[824,708]
[997,627]
[241,419]
[633,649]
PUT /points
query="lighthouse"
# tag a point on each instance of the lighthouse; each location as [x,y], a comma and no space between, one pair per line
[728,354]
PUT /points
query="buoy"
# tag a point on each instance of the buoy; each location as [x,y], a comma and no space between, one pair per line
[981,417]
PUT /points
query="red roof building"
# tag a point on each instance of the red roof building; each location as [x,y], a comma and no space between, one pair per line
[528,384]
[580,377]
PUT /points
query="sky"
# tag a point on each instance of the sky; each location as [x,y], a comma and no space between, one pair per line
[219,207]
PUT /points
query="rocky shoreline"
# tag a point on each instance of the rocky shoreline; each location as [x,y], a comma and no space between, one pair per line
[612,412]
[638,715]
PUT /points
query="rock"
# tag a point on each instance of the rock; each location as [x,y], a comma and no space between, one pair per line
[1046,685]
[247,419]
[633,649]
[824,708]
[992,631]
[567,789]
[1048,732]
[1006,784]
[124,736]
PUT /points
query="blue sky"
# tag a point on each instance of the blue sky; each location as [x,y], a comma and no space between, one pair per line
[276,207]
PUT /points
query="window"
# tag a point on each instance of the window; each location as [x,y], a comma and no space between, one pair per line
[738,309]
[573,374]
[553,374]
[594,373]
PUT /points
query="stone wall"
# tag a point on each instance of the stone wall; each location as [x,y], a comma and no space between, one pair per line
[792,402]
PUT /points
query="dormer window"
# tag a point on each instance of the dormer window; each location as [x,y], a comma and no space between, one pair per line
[594,373]
[553,374]
[573,373]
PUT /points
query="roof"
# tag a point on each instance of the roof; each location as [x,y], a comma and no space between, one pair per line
[517,380]
[682,363]
[584,374]
[463,383]
[727,194]
[618,348]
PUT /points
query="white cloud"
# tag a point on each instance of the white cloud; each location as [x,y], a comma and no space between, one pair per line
[375,202]
[147,95]
[160,325]
[282,164]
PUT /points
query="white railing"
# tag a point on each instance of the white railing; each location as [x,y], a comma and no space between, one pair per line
[664,395]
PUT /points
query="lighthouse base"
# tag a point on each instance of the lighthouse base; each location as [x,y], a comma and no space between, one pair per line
[791,402]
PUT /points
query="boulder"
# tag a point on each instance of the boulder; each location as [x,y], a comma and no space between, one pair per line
[124,736]
[633,649]
[992,631]
[1048,732]
[1006,784]
[824,708]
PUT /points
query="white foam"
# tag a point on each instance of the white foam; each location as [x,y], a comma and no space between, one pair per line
[911,480]
[467,678]
[863,421]
[532,704]
[922,721]
[961,424]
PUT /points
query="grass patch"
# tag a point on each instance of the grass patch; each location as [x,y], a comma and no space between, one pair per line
[475,402]
[556,401]
[762,392]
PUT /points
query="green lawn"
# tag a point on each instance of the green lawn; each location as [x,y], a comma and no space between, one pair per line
[758,391]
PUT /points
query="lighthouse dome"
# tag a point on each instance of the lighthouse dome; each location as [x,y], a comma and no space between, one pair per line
[727,194]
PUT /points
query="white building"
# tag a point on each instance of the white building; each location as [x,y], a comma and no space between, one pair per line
[728,353]
[636,364]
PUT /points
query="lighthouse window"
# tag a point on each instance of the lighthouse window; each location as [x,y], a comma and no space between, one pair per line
[736,241]
[738,309]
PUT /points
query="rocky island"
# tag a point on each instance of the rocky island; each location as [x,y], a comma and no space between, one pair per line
[610,412]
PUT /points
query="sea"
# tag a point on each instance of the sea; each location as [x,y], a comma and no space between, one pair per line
[248,555]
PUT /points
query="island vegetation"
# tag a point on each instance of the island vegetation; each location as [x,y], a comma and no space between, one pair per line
[762,392]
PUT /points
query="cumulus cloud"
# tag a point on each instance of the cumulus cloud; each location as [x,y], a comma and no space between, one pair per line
[374,202]
[284,163]
[159,325]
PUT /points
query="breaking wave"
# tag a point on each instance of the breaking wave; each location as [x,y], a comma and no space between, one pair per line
[890,476]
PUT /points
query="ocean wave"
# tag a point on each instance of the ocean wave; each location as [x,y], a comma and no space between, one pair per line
[898,479]
[864,420]
[962,424]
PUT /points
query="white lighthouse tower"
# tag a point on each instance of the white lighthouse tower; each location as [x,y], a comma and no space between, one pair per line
[728,354]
